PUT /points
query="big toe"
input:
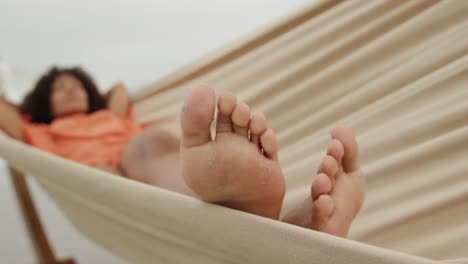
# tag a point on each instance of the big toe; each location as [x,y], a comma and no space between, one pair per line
[346,136]
[196,116]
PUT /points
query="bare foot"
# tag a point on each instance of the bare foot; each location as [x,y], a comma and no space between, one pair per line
[239,167]
[338,190]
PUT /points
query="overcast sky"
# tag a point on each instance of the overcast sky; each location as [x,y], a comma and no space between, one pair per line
[136,41]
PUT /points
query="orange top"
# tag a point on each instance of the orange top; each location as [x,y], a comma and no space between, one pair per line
[92,139]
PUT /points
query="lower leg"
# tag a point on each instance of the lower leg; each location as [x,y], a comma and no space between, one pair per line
[153,157]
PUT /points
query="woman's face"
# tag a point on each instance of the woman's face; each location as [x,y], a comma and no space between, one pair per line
[68,96]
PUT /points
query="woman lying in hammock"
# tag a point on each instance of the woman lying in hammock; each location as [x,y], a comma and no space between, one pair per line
[66,115]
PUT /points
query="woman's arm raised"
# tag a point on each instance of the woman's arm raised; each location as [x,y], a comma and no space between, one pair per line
[117,100]
[10,120]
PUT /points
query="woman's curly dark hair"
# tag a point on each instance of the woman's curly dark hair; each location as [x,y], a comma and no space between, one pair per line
[37,103]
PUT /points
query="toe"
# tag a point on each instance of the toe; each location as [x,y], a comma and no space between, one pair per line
[350,161]
[336,150]
[269,144]
[241,118]
[226,104]
[196,117]
[330,167]
[321,211]
[322,185]
[258,125]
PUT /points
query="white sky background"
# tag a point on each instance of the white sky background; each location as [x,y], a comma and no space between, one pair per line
[135,41]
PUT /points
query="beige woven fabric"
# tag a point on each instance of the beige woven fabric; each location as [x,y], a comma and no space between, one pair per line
[394,71]
[144,224]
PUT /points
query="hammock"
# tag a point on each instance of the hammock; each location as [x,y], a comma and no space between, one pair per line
[394,71]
